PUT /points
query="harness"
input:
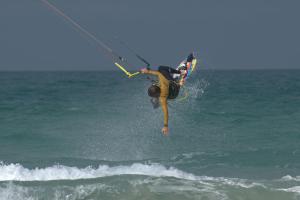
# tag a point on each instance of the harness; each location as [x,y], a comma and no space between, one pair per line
[173,90]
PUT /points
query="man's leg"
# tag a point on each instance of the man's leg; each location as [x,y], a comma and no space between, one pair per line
[170,69]
[167,72]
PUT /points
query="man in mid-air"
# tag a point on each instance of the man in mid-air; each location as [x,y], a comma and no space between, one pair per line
[169,82]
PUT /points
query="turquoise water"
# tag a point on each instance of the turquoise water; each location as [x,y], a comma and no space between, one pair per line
[94,135]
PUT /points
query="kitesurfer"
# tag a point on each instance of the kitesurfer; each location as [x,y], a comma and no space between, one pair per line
[167,87]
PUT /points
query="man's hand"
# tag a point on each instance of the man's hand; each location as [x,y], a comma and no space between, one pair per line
[144,71]
[165,130]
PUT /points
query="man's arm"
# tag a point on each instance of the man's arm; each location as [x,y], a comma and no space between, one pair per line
[148,71]
[164,106]
[163,98]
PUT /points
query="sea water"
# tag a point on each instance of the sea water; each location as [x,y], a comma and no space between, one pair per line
[95,135]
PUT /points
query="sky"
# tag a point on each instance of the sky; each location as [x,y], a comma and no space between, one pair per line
[232,34]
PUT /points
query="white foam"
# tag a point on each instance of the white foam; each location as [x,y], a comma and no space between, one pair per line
[290,178]
[11,191]
[295,189]
[16,172]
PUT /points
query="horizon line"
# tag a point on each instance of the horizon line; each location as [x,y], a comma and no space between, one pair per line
[114,70]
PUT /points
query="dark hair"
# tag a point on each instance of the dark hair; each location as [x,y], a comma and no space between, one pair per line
[154,91]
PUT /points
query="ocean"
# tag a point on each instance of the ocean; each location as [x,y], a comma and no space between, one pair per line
[95,135]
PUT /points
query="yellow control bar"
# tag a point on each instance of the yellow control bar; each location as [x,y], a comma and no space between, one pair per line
[125,71]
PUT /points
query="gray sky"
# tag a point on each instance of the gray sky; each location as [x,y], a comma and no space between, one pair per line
[226,34]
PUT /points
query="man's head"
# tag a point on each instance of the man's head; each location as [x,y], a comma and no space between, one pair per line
[154,91]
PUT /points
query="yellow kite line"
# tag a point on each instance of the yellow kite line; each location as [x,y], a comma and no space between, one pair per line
[125,71]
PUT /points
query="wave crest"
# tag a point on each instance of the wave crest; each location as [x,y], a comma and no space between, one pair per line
[16,172]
